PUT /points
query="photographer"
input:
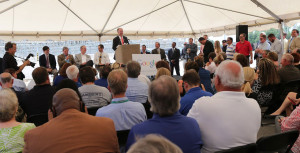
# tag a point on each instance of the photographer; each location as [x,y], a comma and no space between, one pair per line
[9,60]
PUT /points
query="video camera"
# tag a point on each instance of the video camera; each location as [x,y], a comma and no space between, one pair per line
[31,63]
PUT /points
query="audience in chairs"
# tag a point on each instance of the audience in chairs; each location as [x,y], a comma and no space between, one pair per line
[296,60]
[73,74]
[71,130]
[204,74]
[191,83]
[18,84]
[93,96]
[291,99]
[103,76]
[273,57]
[288,72]
[11,131]
[137,91]
[249,76]
[154,144]
[167,121]
[162,71]
[228,118]
[36,102]
[122,110]
[62,74]
[267,79]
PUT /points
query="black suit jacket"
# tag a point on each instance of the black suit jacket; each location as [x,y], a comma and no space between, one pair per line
[43,63]
[162,53]
[208,48]
[117,41]
[175,56]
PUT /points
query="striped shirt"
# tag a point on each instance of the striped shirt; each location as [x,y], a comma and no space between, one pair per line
[230,51]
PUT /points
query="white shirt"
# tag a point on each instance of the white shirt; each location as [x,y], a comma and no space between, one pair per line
[144,79]
[83,58]
[227,119]
[18,85]
[286,45]
[277,48]
[104,58]
[211,68]
[230,51]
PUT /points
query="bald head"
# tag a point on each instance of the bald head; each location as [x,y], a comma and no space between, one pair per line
[65,99]
[230,74]
[6,80]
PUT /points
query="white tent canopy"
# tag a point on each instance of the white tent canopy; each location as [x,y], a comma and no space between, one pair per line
[89,19]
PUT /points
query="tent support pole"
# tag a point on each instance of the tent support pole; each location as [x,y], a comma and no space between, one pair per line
[187,17]
[228,10]
[78,16]
[111,13]
[139,17]
[13,6]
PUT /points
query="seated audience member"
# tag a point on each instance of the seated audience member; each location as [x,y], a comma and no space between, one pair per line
[162,71]
[145,79]
[93,96]
[62,74]
[12,132]
[18,84]
[48,61]
[71,130]
[137,91]
[36,102]
[267,79]
[204,74]
[125,112]
[167,121]
[65,57]
[164,64]
[191,65]
[82,59]
[210,65]
[103,76]
[296,60]
[292,123]
[73,74]
[218,59]
[154,144]
[234,56]
[265,53]
[30,85]
[191,81]
[291,99]
[224,118]
[288,72]
[249,76]
[224,55]
[273,57]
[242,59]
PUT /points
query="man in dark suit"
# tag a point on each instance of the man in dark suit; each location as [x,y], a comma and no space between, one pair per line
[208,48]
[119,40]
[160,51]
[174,55]
[48,61]
[144,50]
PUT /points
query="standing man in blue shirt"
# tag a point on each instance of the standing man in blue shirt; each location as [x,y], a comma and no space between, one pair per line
[191,82]
[122,111]
[167,121]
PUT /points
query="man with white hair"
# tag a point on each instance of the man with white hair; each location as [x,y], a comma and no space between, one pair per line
[72,73]
[227,119]
[288,72]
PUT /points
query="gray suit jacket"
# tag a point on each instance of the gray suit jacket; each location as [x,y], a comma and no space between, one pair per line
[78,59]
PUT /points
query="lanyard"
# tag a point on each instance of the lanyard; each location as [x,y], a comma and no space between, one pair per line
[117,102]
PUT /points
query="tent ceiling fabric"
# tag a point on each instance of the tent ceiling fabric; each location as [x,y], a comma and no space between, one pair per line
[51,19]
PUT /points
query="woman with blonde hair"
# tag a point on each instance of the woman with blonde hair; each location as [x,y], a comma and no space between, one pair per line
[249,76]
[218,49]
[162,71]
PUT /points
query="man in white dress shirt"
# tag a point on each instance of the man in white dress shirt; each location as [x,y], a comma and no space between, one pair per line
[228,118]
[276,46]
[101,58]
[82,59]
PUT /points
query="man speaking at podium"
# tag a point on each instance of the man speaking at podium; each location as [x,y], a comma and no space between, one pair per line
[119,40]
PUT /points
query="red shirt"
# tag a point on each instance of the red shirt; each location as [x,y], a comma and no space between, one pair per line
[243,48]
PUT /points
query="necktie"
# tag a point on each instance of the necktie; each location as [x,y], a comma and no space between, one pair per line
[100,58]
[122,40]
[47,62]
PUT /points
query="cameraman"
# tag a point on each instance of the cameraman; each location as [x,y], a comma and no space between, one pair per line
[9,60]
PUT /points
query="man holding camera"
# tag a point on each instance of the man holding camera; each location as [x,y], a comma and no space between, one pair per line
[9,60]
[48,61]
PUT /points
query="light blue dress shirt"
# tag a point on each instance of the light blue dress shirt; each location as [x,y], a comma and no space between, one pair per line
[137,91]
[124,113]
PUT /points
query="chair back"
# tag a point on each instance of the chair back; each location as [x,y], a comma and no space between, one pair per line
[38,119]
[249,148]
[122,137]
[278,142]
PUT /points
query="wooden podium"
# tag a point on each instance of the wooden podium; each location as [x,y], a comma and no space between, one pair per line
[124,52]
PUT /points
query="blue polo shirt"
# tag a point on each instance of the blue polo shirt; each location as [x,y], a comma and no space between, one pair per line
[181,130]
[189,98]
[205,79]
